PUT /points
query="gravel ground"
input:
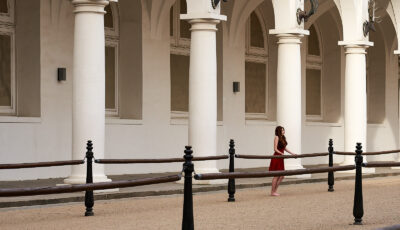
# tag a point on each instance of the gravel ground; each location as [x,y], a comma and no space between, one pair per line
[302,206]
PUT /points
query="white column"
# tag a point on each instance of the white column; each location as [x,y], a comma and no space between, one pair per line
[355,114]
[203,93]
[289,113]
[88,118]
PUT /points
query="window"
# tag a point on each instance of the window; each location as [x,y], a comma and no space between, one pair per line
[180,35]
[256,68]
[179,60]
[313,77]
[7,58]
[111,58]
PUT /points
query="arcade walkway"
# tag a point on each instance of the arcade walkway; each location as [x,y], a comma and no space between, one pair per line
[161,189]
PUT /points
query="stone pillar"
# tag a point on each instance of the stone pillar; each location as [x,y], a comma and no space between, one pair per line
[203,17]
[289,112]
[88,118]
[355,108]
[203,92]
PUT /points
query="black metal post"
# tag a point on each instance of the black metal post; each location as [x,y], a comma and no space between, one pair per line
[331,178]
[188,168]
[231,182]
[358,210]
[89,199]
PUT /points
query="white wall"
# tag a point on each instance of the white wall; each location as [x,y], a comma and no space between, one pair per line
[157,136]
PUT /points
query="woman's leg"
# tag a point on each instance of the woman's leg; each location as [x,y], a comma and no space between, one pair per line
[274,186]
[279,182]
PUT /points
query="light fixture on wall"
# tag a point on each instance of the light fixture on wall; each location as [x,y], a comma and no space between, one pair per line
[236,86]
[61,74]
[215,3]
[302,14]
[370,24]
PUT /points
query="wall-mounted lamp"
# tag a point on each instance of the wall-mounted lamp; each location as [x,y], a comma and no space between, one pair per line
[215,3]
[370,24]
[236,86]
[302,14]
[61,74]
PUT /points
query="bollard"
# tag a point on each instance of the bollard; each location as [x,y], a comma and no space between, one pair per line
[358,210]
[331,178]
[188,168]
[89,199]
[231,182]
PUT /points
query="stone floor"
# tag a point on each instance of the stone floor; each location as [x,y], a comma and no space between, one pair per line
[300,206]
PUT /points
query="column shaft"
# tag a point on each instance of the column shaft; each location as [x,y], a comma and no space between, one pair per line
[289,113]
[203,92]
[355,114]
[88,117]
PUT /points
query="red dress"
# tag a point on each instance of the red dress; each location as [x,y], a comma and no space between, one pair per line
[277,164]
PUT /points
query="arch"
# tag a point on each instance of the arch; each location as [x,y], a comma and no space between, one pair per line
[322,9]
[393,9]
[353,14]
[156,12]
[314,37]
[111,19]
[256,67]
[240,12]
[327,65]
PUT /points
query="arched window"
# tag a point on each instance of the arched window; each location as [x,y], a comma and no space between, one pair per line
[376,78]
[111,27]
[313,76]
[7,58]
[256,68]
[179,60]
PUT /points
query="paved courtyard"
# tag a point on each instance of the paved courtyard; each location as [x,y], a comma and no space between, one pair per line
[300,206]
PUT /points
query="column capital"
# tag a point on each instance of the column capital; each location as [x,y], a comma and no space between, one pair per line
[293,36]
[356,44]
[203,24]
[204,16]
[299,32]
[356,47]
[92,6]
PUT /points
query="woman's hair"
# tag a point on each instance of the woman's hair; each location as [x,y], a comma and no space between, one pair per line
[282,139]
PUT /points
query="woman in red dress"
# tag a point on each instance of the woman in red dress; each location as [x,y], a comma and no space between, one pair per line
[277,164]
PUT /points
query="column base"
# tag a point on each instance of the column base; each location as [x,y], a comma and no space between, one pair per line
[397,167]
[364,170]
[295,167]
[205,182]
[81,179]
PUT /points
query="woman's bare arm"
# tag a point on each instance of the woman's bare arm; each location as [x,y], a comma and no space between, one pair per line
[287,150]
[276,140]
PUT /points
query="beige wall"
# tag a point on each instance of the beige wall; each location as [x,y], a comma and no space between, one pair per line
[130,60]
[27,41]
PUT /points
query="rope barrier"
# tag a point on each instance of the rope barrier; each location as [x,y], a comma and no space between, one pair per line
[281,156]
[381,164]
[10,192]
[213,176]
[381,152]
[41,164]
[150,161]
[368,153]
[345,153]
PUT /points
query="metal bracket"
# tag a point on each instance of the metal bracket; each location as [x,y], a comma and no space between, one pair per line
[215,3]
[302,14]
